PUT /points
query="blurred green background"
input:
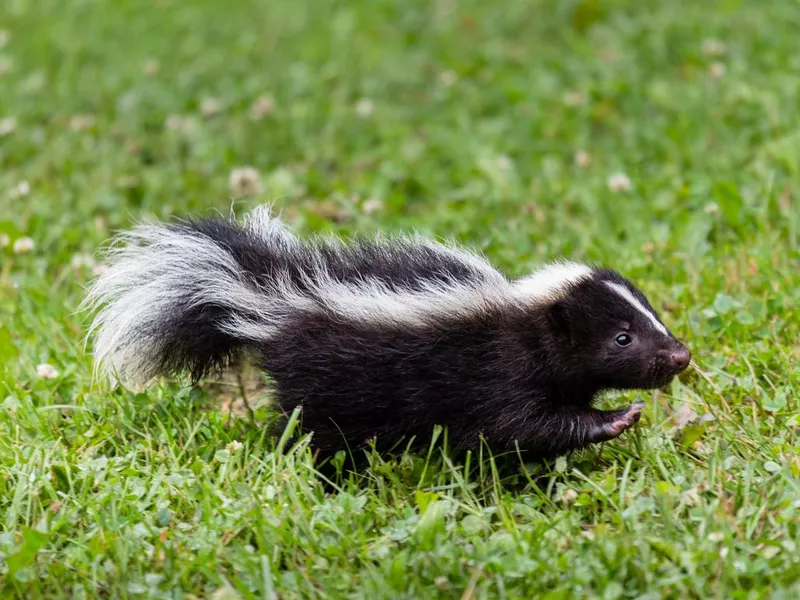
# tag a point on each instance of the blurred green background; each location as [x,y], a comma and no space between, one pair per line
[659,137]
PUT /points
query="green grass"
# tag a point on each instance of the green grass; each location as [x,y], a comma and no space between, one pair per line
[476,111]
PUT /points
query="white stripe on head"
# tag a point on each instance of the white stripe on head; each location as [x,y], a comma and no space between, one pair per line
[625,293]
[552,281]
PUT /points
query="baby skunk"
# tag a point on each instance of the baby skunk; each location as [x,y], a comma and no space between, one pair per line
[380,340]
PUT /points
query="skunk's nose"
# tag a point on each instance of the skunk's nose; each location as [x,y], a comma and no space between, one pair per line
[680,359]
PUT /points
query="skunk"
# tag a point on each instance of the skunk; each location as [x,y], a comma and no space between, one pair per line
[379,340]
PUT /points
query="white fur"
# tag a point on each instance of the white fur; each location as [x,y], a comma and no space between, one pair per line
[552,282]
[475,261]
[261,222]
[370,301]
[625,293]
[154,271]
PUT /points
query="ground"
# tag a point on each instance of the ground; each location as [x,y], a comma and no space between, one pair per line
[661,138]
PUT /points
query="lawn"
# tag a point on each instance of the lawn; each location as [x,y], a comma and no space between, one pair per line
[659,137]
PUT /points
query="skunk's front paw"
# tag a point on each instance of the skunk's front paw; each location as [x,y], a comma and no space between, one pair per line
[625,421]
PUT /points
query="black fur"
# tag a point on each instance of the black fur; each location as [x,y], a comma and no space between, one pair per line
[515,372]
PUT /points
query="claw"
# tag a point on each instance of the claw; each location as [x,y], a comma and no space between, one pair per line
[625,421]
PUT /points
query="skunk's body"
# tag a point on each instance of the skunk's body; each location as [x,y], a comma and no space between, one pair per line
[383,339]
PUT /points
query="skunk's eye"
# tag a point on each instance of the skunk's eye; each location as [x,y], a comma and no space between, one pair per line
[623,339]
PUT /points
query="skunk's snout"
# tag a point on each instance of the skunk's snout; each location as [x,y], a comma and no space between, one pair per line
[679,359]
[671,361]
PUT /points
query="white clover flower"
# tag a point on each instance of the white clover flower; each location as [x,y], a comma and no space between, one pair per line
[234,446]
[582,159]
[716,70]
[569,496]
[22,189]
[448,78]
[151,67]
[180,123]
[81,122]
[7,126]
[262,107]
[619,182]
[82,260]
[245,181]
[210,107]
[371,206]
[174,122]
[574,99]
[712,47]
[23,245]
[45,371]
[364,108]
[504,163]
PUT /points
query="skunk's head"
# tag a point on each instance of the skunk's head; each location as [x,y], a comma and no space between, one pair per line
[605,330]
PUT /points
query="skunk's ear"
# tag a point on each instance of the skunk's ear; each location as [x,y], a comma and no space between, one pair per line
[559,317]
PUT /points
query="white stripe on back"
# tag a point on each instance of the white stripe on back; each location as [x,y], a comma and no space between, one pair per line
[626,294]
[552,281]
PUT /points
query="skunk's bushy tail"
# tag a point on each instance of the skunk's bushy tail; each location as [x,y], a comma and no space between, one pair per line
[192,295]
[176,297]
